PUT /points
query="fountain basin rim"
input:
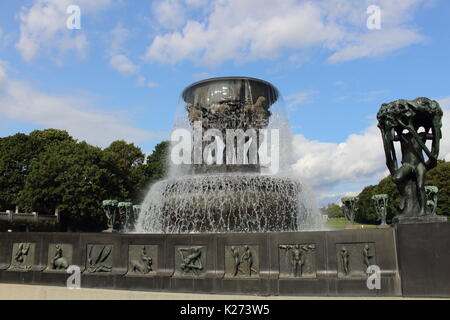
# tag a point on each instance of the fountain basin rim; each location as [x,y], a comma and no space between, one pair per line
[218,79]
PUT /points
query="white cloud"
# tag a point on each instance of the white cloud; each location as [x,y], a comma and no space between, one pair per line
[43,28]
[196,3]
[119,59]
[377,43]
[173,14]
[299,98]
[202,75]
[334,169]
[122,64]
[117,38]
[243,30]
[3,67]
[169,13]
[444,102]
[324,165]
[327,198]
[445,143]
[142,82]
[21,102]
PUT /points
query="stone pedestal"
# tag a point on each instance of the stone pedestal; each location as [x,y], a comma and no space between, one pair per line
[273,263]
[424,259]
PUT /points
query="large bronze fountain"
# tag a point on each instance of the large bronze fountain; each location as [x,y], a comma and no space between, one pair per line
[229,194]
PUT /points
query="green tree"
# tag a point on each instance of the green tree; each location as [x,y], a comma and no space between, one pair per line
[366,210]
[16,154]
[128,161]
[74,177]
[439,177]
[48,169]
[157,162]
[155,168]
[45,138]
[332,210]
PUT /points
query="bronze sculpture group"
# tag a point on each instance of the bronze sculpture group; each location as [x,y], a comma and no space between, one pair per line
[349,208]
[380,202]
[120,216]
[412,124]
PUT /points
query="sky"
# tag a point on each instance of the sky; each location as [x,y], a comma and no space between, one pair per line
[119,74]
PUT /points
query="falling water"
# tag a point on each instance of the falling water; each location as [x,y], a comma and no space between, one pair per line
[236,201]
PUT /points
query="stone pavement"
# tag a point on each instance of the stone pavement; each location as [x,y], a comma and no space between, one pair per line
[34,292]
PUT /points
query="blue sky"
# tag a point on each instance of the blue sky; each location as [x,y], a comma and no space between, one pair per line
[120,75]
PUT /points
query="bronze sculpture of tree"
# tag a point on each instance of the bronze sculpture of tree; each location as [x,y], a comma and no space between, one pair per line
[412,124]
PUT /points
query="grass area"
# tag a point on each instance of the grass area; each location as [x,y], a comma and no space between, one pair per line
[341,223]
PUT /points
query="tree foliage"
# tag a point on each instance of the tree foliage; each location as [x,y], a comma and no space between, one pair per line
[16,154]
[157,162]
[127,159]
[439,177]
[72,177]
[332,210]
[48,169]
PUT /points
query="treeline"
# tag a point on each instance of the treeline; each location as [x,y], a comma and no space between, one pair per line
[48,169]
[439,177]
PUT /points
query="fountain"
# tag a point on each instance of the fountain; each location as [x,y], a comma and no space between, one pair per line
[226,187]
[230,219]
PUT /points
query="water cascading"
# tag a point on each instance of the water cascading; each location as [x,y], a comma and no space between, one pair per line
[227,175]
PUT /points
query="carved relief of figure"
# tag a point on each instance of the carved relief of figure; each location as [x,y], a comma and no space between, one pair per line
[22,253]
[247,258]
[297,261]
[345,255]
[192,263]
[236,260]
[58,261]
[144,265]
[298,257]
[97,262]
[367,255]
[243,261]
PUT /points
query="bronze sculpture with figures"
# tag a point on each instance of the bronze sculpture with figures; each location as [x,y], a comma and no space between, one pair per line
[412,124]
